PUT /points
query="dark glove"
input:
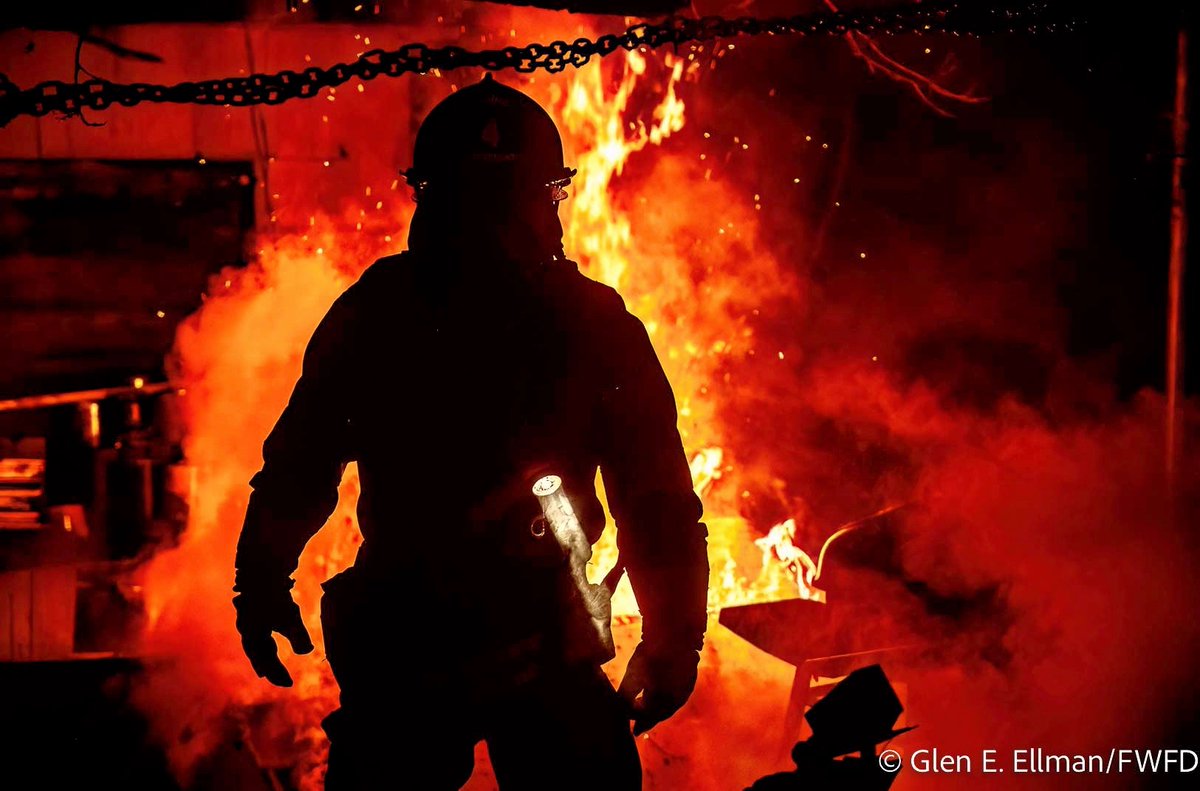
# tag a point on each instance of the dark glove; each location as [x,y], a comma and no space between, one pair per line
[657,682]
[261,612]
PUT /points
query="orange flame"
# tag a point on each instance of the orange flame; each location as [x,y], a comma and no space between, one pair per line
[688,263]
[777,545]
[695,307]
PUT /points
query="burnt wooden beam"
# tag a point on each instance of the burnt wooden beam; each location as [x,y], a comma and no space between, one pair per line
[638,8]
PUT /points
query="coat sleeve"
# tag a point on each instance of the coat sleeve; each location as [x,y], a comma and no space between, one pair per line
[303,458]
[648,483]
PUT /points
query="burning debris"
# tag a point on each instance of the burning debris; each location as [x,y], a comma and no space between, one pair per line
[777,546]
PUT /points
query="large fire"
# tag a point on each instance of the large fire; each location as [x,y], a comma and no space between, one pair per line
[686,249]
[240,356]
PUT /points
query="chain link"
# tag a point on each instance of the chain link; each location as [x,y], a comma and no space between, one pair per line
[965,18]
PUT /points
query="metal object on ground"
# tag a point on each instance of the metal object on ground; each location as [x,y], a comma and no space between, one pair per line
[832,638]
[856,716]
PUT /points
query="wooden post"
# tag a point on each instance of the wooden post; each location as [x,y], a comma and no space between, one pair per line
[1178,262]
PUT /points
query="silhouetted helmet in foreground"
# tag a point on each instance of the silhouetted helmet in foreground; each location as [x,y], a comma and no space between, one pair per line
[491,137]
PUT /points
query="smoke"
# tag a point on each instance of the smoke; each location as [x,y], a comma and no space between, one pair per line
[237,359]
[1038,573]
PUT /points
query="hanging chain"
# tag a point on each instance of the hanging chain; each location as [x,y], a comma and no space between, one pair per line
[965,18]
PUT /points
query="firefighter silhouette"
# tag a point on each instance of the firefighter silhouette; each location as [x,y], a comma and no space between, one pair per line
[458,375]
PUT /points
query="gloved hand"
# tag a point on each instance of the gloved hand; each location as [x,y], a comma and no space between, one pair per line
[657,682]
[261,612]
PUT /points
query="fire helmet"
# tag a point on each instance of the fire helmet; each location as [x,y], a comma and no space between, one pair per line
[488,133]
